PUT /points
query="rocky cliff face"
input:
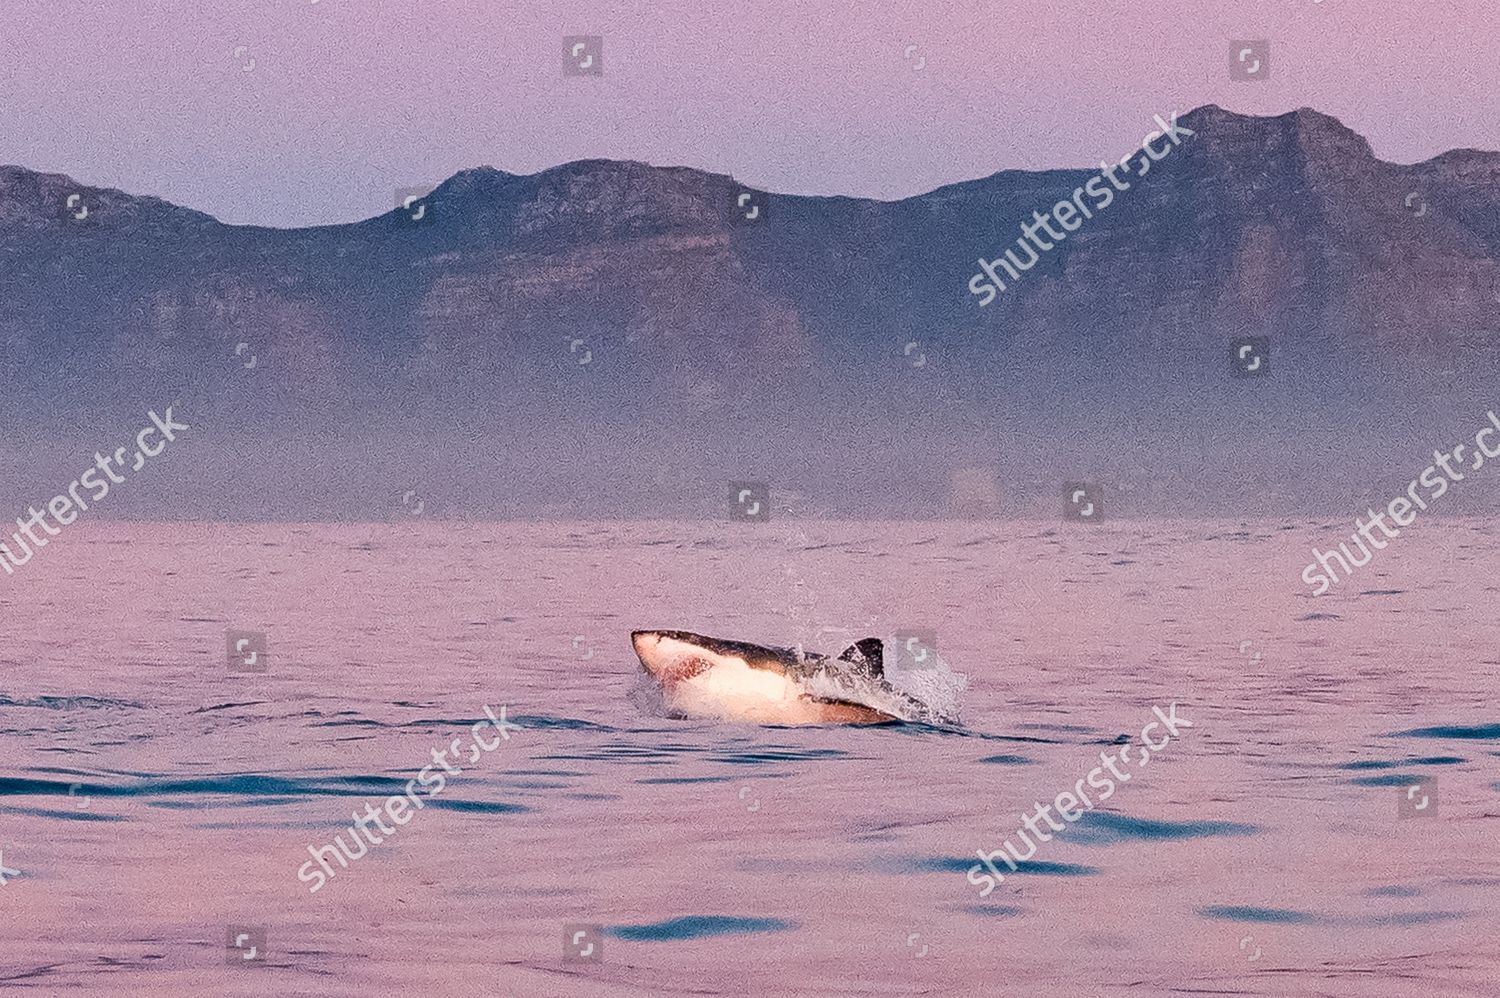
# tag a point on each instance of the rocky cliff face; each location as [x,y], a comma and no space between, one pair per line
[501,292]
[1285,225]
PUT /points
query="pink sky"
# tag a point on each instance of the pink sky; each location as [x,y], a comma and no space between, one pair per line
[350,99]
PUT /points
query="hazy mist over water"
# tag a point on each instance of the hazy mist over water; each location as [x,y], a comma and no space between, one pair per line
[1186,440]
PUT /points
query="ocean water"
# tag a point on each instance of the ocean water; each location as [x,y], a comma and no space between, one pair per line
[158,805]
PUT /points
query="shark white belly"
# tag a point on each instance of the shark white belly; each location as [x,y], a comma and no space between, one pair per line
[711,677]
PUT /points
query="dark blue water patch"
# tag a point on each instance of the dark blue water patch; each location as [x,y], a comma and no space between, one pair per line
[1386,780]
[1072,728]
[1106,827]
[21,786]
[371,784]
[42,812]
[1463,732]
[546,723]
[227,706]
[1430,760]
[1008,760]
[255,785]
[1264,916]
[921,729]
[256,788]
[1407,918]
[992,910]
[1028,739]
[661,755]
[546,772]
[1393,891]
[69,703]
[477,806]
[270,826]
[659,780]
[63,771]
[194,804]
[763,756]
[698,927]
[949,864]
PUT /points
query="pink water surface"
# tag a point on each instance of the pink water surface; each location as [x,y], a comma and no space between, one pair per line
[386,641]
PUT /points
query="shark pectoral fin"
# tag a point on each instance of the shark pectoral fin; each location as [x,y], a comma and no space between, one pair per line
[868,653]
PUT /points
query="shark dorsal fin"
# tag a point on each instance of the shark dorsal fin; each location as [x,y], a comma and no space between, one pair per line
[869,653]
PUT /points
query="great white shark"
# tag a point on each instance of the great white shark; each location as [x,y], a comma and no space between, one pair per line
[713,677]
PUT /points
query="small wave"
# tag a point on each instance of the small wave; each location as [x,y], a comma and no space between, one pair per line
[699,926]
[69,703]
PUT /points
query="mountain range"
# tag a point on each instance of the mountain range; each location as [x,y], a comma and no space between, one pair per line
[615,338]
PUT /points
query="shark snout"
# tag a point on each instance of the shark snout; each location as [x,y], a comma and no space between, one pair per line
[671,656]
[647,646]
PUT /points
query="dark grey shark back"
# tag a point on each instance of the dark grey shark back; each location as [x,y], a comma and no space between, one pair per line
[867,654]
